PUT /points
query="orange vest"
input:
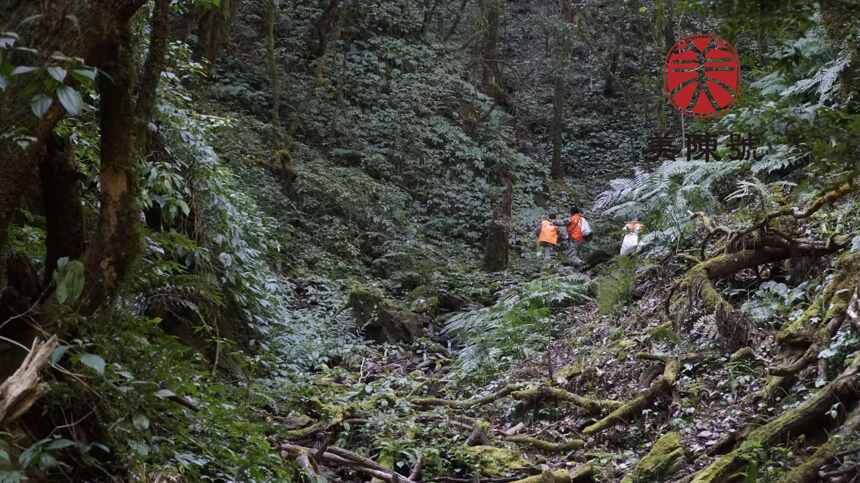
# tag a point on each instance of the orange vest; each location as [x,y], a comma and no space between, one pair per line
[574,228]
[548,233]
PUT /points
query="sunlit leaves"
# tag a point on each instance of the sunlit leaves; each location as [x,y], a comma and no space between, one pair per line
[94,362]
[69,280]
[70,99]
[57,73]
[39,104]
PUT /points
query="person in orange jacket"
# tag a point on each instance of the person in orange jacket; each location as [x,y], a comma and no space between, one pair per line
[575,234]
[547,236]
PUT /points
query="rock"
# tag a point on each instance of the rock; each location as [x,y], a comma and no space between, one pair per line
[494,461]
[449,302]
[371,244]
[659,462]
[406,280]
[743,354]
[389,263]
[424,300]
[381,320]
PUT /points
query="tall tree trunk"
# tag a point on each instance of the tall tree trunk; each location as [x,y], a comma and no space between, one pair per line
[326,27]
[568,10]
[556,170]
[429,15]
[458,17]
[497,246]
[490,74]
[124,123]
[269,31]
[117,241]
[61,191]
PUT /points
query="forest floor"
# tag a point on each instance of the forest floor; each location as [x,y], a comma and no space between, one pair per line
[532,416]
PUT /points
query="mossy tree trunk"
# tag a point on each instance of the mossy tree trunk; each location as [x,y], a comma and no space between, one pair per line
[491,78]
[497,245]
[123,121]
[326,27]
[61,191]
[556,170]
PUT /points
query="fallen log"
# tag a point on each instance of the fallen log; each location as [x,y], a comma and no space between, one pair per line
[531,394]
[468,403]
[340,458]
[24,387]
[548,446]
[811,416]
[580,474]
[662,385]
[807,472]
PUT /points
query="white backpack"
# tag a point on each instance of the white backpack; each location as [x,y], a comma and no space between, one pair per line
[585,227]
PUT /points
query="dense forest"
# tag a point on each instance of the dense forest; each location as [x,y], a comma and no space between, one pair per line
[343,240]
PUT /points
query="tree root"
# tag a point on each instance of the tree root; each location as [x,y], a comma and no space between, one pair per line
[308,431]
[24,387]
[468,403]
[810,416]
[661,385]
[529,394]
[581,474]
[341,458]
[540,394]
[548,446]
[807,472]
[698,284]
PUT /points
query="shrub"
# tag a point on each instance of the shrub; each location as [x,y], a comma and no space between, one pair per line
[615,287]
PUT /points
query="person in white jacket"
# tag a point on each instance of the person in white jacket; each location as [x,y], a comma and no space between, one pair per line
[631,238]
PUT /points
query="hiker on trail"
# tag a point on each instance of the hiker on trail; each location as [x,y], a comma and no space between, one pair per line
[578,231]
[630,243]
[547,234]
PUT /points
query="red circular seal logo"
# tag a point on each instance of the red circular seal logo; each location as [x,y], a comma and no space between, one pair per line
[702,76]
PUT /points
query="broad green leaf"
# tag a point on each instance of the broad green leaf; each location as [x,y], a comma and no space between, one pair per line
[164,393]
[23,69]
[81,74]
[39,104]
[141,422]
[70,99]
[58,73]
[58,354]
[4,457]
[60,443]
[7,39]
[69,279]
[94,362]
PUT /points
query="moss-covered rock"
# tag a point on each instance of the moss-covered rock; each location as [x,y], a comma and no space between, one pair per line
[381,320]
[495,461]
[407,280]
[424,300]
[657,464]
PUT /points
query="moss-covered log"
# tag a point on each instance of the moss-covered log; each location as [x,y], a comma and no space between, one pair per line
[807,472]
[544,394]
[661,385]
[467,403]
[526,393]
[548,446]
[811,416]
[581,474]
[698,284]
